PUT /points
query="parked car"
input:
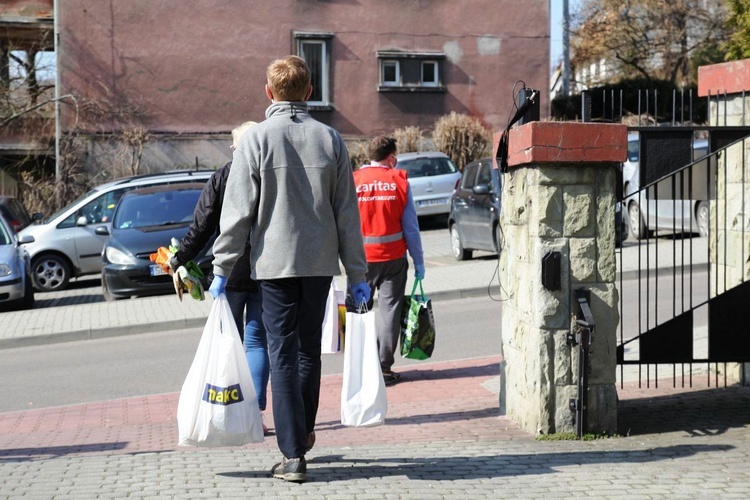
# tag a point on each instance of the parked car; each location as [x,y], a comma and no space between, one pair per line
[474,219]
[645,214]
[433,177]
[15,213]
[16,290]
[66,244]
[474,215]
[144,220]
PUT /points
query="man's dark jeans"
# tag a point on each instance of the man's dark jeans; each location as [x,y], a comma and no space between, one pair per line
[293,310]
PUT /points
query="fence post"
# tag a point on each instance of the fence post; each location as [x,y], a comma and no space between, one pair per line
[559,197]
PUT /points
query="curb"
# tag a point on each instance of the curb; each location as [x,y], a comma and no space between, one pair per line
[100,333]
[492,290]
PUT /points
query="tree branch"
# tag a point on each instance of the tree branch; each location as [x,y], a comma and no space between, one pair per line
[15,116]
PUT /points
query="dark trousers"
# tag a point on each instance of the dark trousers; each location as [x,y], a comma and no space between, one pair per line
[389,279]
[293,310]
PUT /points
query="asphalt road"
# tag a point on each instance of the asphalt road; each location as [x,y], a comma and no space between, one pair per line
[156,363]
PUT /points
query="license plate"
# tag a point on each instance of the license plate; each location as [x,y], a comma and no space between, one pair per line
[429,203]
[156,270]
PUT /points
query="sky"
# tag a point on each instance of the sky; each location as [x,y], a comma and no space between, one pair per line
[555,32]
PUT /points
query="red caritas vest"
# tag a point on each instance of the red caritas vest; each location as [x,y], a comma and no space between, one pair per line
[381,192]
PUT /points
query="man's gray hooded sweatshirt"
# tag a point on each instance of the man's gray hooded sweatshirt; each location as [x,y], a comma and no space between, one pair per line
[291,188]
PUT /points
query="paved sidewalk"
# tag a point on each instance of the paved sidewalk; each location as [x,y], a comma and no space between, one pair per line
[443,439]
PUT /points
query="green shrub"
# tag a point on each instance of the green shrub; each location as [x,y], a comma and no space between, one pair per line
[463,138]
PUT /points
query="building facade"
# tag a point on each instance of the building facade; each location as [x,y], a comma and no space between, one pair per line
[166,80]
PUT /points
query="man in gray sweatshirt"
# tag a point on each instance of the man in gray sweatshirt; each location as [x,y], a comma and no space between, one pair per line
[291,189]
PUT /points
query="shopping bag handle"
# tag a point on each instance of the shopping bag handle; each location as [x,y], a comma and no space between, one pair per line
[362,308]
[417,281]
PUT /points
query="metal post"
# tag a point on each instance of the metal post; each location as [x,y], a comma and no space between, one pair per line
[56,35]
[566,51]
[581,337]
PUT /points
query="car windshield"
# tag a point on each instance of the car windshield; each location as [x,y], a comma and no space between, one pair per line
[426,167]
[162,208]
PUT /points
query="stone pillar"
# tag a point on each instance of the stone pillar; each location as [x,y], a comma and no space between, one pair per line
[731,82]
[559,196]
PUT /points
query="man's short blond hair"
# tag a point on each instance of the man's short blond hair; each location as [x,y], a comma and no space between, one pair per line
[288,79]
[238,131]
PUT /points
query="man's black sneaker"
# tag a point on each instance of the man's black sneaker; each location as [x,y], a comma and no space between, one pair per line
[291,469]
[309,441]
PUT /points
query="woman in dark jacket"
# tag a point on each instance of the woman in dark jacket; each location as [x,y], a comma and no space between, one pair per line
[243,293]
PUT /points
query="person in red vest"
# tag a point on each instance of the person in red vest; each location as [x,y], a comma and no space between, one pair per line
[390,228]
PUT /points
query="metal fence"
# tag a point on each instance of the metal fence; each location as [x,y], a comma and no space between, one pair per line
[684,190]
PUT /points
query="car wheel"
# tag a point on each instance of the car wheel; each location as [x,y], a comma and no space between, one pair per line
[51,273]
[108,296]
[635,221]
[457,247]
[702,216]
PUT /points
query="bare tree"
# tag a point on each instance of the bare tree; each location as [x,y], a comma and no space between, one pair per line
[653,39]
[27,116]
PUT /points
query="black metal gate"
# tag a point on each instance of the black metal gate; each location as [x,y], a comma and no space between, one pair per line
[684,285]
[680,308]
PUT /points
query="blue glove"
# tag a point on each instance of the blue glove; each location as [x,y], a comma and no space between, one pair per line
[217,286]
[361,293]
[419,271]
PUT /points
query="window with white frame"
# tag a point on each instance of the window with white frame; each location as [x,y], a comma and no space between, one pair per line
[314,49]
[391,72]
[430,73]
[403,71]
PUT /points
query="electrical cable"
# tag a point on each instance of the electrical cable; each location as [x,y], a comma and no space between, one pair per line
[501,157]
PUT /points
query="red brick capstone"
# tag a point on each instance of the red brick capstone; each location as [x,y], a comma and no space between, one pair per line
[566,142]
[730,77]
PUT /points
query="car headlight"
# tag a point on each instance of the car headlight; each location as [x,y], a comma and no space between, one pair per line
[5,270]
[118,257]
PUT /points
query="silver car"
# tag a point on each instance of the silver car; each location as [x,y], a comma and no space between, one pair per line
[66,244]
[645,215]
[16,290]
[433,178]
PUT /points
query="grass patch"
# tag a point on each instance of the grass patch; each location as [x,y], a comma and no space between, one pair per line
[571,436]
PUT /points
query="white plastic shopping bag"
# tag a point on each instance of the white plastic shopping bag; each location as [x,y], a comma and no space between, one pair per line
[332,338]
[363,397]
[217,404]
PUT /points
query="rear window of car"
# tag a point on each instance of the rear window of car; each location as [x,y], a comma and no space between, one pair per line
[427,167]
[156,209]
[15,213]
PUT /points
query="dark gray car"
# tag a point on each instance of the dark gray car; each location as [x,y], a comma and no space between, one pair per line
[474,216]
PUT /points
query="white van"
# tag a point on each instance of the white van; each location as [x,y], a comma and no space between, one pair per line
[66,245]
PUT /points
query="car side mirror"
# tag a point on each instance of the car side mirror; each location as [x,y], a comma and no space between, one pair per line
[24,239]
[82,221]
[37,216]
[481,189]
[102,231]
